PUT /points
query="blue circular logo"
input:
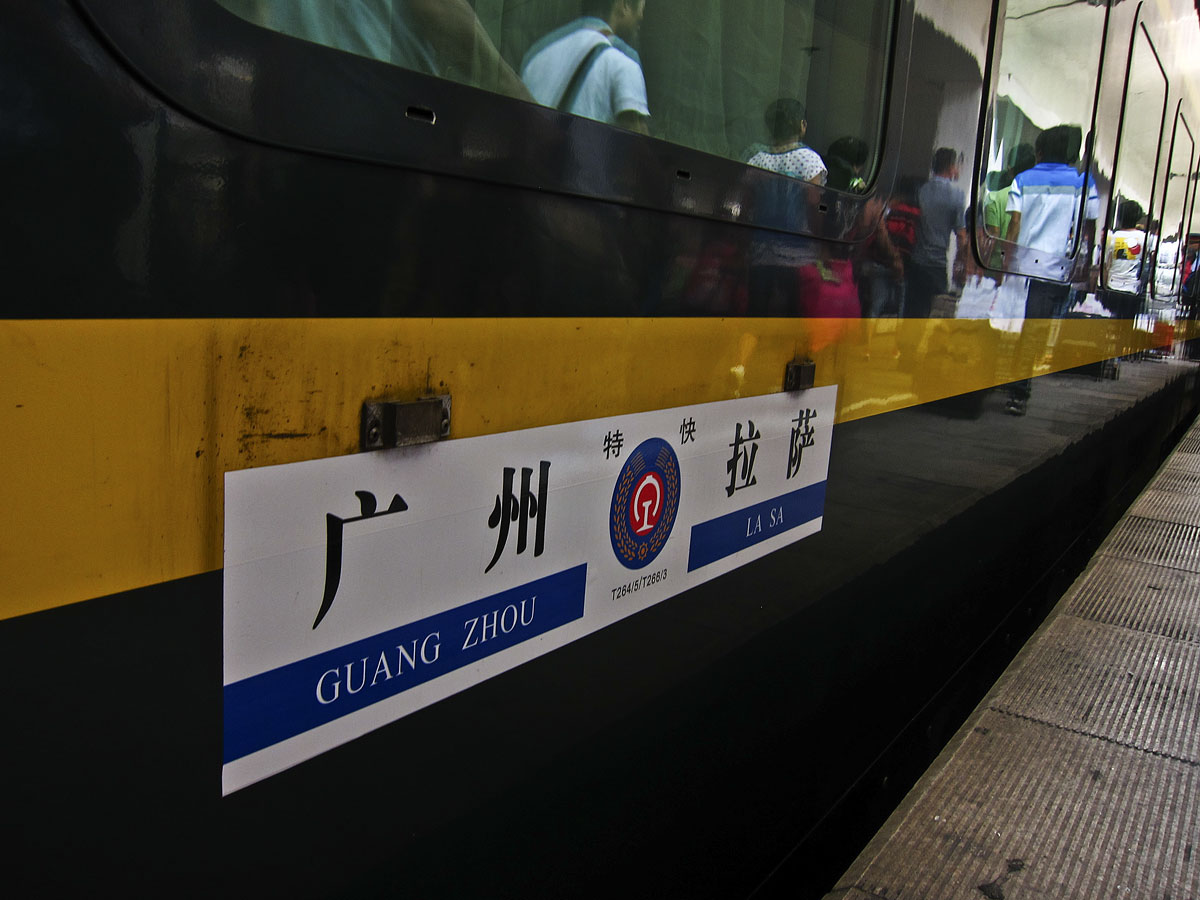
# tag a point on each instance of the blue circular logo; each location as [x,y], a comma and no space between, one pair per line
[644,503]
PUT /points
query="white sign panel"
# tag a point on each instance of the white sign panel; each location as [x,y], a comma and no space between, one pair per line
[361,588]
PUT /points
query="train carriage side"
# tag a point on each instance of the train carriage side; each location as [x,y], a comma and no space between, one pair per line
[233,224]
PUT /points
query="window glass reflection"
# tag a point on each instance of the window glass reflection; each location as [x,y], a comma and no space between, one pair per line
[1131,239]
[1177,256]
[793,86]
[1040,203]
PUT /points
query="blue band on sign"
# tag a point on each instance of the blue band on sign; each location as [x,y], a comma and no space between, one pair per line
[271,707]
[725,536]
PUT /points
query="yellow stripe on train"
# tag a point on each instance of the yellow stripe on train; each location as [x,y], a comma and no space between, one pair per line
[118,433]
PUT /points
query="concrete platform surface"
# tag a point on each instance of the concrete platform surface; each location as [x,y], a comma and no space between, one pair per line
[1078,776]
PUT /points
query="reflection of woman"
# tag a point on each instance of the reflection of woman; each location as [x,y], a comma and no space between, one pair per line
[788,155]
[775,256]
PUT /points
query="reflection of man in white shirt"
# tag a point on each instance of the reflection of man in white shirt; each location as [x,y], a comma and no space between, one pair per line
[1043,202]
[1166,267]
[589,68]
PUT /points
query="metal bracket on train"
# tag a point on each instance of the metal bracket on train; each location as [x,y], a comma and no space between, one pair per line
[800,375]
[390,423]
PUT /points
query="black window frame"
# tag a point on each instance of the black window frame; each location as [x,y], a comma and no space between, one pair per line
[1102,239]
[1047,267]
[399,117]
[1189,198]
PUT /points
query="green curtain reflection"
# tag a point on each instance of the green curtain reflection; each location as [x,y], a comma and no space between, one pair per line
[711,66]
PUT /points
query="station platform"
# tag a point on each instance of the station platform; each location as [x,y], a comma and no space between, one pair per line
[1078,775]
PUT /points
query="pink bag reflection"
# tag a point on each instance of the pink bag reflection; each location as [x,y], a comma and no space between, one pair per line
[829,297]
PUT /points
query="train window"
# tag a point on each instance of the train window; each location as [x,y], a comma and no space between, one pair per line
[795,86]
[1128,240]
[1177,250]
[1040,202]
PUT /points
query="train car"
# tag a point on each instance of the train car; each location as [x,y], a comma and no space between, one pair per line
[542,448]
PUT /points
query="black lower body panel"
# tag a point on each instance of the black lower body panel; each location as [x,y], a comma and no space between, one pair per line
[757,724]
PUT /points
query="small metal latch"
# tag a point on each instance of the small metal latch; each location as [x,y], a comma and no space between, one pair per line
[800,375]
[391,423]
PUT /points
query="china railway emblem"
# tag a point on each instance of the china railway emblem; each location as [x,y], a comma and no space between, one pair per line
[644,503]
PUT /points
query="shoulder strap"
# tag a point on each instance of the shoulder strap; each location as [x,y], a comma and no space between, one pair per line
[576,82]
[558,34]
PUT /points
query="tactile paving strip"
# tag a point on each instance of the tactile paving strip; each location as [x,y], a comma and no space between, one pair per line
[1184,462]
[1134,689]
[1155,541]
[1079,775]
[1168,506]
[1190,444]
[1178,481]
[1044,828]
[1140,597]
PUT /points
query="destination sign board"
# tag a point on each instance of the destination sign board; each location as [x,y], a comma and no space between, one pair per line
[359,589]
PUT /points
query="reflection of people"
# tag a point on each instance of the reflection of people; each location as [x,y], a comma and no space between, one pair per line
[776,261]
[1166,266]
[903,216]
[901,220]
[1191,256]
[828,297]
[942,208]
[788,155]
[589,67]
[1124,253]
[1190,291]
[883,276]
[995,207]
[847,157]
[1043,205]
[1044,201]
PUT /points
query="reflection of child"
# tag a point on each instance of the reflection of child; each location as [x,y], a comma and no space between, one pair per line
[1124,257]
[1123,254]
